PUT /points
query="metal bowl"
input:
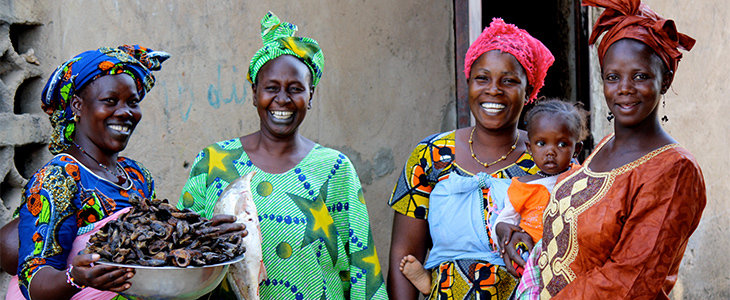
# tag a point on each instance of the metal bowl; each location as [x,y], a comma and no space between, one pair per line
[173,282]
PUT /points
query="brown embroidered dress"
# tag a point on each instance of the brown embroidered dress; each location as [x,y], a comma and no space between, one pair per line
[621,234]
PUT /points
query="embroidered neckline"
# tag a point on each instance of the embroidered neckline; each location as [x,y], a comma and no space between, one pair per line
[558,268]
[626,167]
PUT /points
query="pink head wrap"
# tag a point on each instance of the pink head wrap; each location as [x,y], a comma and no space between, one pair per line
[534,57]
[634,20]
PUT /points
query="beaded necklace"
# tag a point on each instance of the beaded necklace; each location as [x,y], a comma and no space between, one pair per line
[120,174]
[486,165]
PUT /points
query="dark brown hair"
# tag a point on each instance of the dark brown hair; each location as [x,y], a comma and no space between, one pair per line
[574,115]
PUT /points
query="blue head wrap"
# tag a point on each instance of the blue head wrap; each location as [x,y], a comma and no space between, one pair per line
[73,75]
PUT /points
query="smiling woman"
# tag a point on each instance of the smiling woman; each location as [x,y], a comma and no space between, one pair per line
[505,68]
[109,109]
[92,100]
[282,95]
[634,79]
[93,104]
[617,227]
[317,241]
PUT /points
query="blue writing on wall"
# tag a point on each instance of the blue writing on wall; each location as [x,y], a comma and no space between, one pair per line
[214,92]
[185,96]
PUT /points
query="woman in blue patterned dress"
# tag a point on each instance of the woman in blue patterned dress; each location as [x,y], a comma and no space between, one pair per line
[93,103]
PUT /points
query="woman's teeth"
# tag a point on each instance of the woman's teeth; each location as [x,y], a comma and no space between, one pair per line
[120,128]
[281,115]
[628,106]
[493,107]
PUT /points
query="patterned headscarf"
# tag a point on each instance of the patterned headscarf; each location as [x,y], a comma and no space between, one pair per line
[73,75]
[278,38]
[534,57]
[635,20]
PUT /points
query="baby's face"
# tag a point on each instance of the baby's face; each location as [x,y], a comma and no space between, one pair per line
[552,144]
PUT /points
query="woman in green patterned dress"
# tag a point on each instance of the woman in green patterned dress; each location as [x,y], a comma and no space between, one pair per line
[317,242]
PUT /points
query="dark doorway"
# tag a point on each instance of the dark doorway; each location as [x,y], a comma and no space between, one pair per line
[560,26]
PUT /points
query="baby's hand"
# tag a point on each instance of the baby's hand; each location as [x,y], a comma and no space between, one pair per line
[509,235]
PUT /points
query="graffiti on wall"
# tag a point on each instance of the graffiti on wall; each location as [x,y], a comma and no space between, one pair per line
[218,94]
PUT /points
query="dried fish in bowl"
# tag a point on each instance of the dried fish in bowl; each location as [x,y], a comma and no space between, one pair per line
[155,233]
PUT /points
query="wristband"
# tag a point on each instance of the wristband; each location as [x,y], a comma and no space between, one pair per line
[521,248]
[70,279]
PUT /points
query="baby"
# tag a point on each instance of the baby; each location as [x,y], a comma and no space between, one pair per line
[555,130]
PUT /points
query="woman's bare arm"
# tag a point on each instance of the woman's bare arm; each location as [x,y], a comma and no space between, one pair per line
[9,247]
[409,236]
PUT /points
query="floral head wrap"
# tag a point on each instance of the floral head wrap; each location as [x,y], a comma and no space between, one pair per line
[278,38]
[73,75]
[634,20]
[534,57]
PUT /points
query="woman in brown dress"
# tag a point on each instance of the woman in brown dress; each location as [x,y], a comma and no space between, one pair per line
[617,227]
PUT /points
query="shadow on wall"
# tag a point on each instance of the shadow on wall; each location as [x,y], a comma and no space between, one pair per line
[368,170]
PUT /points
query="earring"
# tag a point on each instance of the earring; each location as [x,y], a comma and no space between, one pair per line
[309,104]
[76,118]
[665,119]
[610,116]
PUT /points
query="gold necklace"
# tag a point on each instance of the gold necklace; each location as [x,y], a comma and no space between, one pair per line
[486,165]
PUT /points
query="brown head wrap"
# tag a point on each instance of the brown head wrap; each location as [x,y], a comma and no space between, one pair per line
[635,20]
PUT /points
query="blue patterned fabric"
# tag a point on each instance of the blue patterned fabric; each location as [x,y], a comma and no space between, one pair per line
[58,203]
[74,74]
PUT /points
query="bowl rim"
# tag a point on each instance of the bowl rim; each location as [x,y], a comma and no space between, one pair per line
[234,260]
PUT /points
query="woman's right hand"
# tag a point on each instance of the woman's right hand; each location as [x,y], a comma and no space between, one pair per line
[509,236]
[223,224]
[100,277]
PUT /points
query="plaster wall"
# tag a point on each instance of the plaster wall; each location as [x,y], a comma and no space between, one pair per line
[388,79]
[697,108]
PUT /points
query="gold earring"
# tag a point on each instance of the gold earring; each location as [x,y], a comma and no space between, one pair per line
[76,118]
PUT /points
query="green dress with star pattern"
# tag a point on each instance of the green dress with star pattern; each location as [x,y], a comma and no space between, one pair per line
[317,242]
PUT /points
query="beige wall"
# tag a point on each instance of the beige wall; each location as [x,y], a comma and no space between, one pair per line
[697,106]
[388,77]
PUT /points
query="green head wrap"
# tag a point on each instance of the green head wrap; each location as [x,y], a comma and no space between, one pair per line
[278,38]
